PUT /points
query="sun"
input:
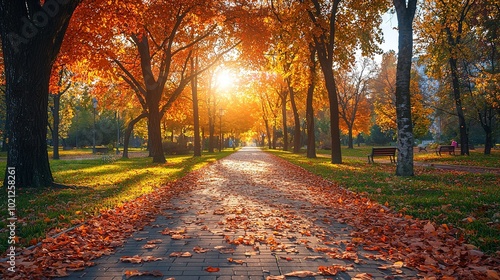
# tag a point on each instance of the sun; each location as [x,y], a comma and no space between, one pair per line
[225,79]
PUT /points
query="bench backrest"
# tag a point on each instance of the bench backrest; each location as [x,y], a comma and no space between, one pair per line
[384,151]
[446,148]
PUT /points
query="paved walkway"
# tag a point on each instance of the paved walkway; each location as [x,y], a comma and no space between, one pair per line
[251,216]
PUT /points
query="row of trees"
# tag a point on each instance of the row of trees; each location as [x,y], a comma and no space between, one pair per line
[158,60]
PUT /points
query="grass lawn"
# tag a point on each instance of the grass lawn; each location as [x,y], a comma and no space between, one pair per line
[467,201]
[97,184]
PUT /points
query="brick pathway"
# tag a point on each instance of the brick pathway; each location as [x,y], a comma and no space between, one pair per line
[249,209]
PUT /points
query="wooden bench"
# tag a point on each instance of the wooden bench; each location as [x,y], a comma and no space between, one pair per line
[422,147]
[445,149]
[390,152]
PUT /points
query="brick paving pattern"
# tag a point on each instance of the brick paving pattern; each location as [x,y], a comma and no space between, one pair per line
[251,210]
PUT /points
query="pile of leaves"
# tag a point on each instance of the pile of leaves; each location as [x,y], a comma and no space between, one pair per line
[76,249]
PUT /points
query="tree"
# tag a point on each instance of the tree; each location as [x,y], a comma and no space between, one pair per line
[32,33]
[334,23]
[196,117]
[59,88]
[311,139]
[353,104]
[383,95]
[406,12]
[446,24]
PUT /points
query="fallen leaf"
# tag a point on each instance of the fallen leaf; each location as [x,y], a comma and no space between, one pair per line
[155,241]
[200,250]
[180,255]
[132,273]
[398,264]
[177,237]
[134,259]
[429,228]
[313,258]
[280,277]
[301,273]
[492,274]
[363,276]
[231,260]
[212,269]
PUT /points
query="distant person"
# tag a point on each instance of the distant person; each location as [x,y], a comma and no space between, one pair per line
[454,143]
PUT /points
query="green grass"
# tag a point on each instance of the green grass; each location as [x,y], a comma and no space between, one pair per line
[97,184]
[445,197]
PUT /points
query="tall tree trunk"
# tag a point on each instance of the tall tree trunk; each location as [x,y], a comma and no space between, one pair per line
[128,132]
[406,13]
[324,44]
[331,88]
[55,129]
[274,134]
[196,122]
[268,130]
[455,80]
[311,138]
[283,114]
[211,134]
[296,119]
[154,129]
[30,49]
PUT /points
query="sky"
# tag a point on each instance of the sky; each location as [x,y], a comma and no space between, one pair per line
[389,22]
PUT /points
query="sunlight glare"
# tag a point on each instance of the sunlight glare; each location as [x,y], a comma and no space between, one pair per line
[225,79]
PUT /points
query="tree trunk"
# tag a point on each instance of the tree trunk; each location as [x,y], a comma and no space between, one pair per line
[128,132]
[283,114]
[324,45]
[154,129]
[196,117]
[311,138]
[274,134]
[211,134]
[334,112]
[405,15]
[296,119]
[486,120]
[455,79]
[30,49]
[55,129]
[266,122]
[350,141]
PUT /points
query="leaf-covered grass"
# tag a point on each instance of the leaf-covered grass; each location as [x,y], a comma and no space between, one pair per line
[476,157]
[467,201]
[95,185]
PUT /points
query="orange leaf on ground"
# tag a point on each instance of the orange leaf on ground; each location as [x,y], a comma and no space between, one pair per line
[212,269]
[180,255]
[231,260]
[200,250]
[134,259]
[313,258]
[301,273]
[363,276]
